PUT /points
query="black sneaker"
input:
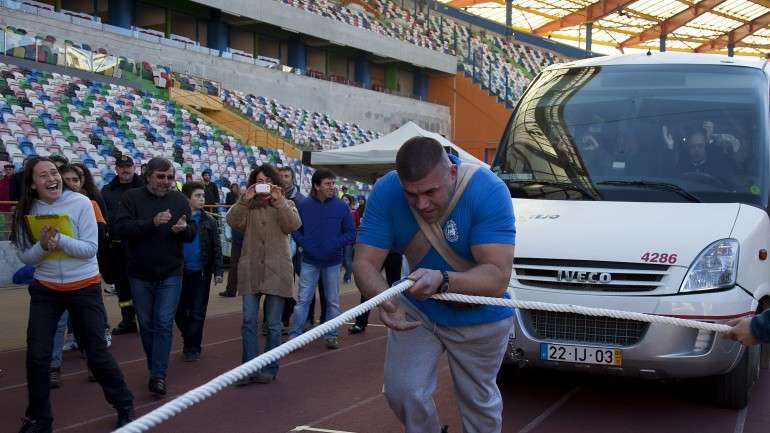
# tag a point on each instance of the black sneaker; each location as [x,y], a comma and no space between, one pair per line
[157,386]
[35,426]
[191,356]
[125,416]
[54,378]
[227,294]
[124,328]
[355,329]
[445,429]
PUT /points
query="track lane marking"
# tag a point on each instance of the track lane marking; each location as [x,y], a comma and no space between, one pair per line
[164,400]
[223,314]
[306,428]
[740,421]
[215,343]
[548,412]
[360,403]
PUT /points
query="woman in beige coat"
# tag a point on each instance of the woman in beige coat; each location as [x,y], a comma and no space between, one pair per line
[265,267]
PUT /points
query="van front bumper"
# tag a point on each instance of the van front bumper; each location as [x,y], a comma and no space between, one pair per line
[648,350]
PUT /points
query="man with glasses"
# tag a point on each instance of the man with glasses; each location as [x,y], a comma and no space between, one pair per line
[155,222]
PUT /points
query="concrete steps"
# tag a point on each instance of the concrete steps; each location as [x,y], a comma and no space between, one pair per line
[213,110]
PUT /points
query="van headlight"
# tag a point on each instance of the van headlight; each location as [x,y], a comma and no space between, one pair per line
[715,268]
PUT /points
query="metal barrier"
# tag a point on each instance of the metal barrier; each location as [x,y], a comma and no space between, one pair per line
[225,232]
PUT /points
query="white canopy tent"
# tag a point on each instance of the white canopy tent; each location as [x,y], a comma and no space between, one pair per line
[368,161]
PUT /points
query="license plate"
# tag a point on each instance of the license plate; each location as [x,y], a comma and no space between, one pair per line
[581,354]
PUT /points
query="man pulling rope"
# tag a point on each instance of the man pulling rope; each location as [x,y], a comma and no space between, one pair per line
[455,225]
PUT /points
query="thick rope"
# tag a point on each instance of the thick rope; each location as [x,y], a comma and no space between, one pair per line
[224,380]
[587,311]
[168,410]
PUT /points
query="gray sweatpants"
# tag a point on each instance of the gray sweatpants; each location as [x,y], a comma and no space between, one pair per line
[474,353]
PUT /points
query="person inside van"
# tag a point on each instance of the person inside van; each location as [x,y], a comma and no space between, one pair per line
[696,159]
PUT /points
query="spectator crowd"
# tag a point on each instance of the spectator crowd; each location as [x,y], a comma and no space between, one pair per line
[151,241]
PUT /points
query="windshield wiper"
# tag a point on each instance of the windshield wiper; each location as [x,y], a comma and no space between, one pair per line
[557,184]
[659,186]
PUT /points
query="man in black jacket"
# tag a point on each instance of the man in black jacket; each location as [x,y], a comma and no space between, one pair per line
[210,189]
[155,222]
[115,272]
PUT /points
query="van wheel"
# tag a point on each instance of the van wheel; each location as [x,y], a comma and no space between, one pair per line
[733,390]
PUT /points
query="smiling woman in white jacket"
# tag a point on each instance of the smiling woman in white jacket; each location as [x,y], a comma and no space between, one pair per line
[69,280]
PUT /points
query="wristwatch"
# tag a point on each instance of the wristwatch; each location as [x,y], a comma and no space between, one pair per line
[444,287]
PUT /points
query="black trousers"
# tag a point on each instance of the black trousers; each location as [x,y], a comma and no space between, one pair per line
[191,312]
[392,268]
[86,311]
[118,262]
[232,274]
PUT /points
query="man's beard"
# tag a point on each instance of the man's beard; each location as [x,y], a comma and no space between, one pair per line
[157,192]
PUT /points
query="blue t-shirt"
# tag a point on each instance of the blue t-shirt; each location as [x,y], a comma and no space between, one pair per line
[483,215]
[192,249]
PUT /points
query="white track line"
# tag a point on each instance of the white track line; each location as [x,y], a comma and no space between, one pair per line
[371,324]
[113,415]
[130,361]
[357,405]
[306,428]
[213,316]
[740,422]
[553,408]
[166,399]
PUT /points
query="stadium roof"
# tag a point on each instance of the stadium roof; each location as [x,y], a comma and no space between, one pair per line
[703,26]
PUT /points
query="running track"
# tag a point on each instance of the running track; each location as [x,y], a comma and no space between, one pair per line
[340,391]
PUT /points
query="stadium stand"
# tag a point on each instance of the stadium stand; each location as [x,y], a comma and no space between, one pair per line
[307,130]
[49,113]
[500,65]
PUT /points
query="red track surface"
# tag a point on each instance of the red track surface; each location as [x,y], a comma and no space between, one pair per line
[341,391]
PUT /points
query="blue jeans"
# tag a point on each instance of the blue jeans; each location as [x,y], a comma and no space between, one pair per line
[250,339]
[347,262]
[308,279]
[155,303]
[58,340]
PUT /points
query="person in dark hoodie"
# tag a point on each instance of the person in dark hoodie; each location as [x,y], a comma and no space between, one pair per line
[155,222]
[115,271]
[327,226]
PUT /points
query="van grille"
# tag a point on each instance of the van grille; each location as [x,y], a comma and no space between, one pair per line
[625,277]
[577,328]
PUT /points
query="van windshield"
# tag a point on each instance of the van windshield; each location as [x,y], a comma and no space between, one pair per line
[640,133]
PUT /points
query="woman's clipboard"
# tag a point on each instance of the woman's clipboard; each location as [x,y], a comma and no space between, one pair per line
[60,222]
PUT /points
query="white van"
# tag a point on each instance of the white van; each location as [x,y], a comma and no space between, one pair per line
[640,183]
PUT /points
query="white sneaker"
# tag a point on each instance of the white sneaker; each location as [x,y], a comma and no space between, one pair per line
[70,343]
[110,289]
